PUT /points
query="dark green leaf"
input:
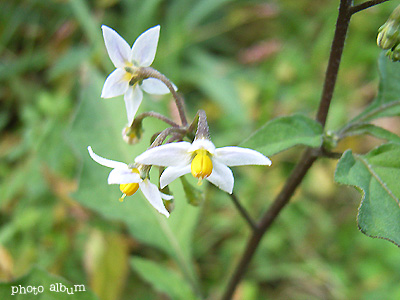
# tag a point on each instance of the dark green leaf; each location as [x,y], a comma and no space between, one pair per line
[283,133]
[377,174]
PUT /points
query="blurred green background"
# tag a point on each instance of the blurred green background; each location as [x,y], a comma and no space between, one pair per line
[244,63]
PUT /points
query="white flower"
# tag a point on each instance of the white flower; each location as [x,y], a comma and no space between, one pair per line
[130,181]
[123,80]
[202,160]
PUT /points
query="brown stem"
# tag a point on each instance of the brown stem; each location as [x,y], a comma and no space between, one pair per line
[268,218]
[308,157]
[365,5]
[153,73]
[243,212]
[156,115]
[165,133]
[342,24]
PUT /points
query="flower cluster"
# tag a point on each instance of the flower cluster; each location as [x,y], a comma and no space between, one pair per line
[198,157]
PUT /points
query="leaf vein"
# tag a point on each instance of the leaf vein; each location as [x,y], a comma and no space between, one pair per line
[377,178]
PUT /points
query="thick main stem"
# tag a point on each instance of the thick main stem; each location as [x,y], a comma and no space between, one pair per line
[342,24]
[308,157]
[268,218]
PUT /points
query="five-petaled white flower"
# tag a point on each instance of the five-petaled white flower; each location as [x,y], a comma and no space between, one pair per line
[202,160]
[124,79]
[130,181]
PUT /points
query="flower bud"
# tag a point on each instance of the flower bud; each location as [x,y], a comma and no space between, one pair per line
[394,53]
[133,134]
[330,140]
[389,33]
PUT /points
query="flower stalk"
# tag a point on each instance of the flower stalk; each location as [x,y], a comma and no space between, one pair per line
[152,73]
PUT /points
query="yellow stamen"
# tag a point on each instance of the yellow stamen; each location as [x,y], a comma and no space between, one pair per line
[128,189]
[201,165]
[122,198]
[128,76]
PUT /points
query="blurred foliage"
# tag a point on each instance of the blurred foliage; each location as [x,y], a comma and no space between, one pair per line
[243,62]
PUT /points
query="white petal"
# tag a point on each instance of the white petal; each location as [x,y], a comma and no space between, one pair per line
[133,98]
[153,195]
[117,48]
[172,154]
[145,47]
[107,162]
[172,173]
[120,176]
[236,156]
[154,86]
[221,177]
[115,84]
[166,197]
[202,144]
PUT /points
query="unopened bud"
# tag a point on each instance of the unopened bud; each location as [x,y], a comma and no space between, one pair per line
[394,53]
[133,134]
[389,33]
[330,140]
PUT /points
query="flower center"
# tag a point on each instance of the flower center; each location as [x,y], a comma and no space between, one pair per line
[201,164]
[128,189]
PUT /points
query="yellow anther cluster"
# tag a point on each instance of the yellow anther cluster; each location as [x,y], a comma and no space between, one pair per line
[201,164]
[128,189]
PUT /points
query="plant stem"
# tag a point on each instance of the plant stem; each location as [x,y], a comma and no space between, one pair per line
[164,134]
[308,158]
[365,5]
[156,115]
[150,72]
[342,24]
[268,218]
[243,212]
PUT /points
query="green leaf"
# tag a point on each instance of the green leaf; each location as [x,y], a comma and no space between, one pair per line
[163,279]
[377,175]
[387,103]
[373,130]
[54,287]
[283,133]
[99,123]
